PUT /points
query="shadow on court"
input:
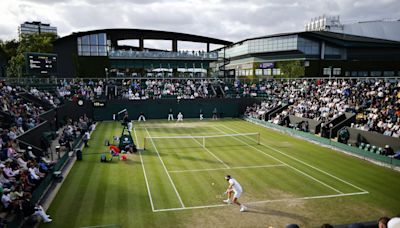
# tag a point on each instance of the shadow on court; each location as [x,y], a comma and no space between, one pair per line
[272,212]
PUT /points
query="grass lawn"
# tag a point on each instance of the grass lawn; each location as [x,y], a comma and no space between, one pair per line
[179,182]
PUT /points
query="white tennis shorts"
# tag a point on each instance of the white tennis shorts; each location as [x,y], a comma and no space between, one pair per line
[237,194]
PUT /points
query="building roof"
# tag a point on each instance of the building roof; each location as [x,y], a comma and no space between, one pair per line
[339,39]
[125,33]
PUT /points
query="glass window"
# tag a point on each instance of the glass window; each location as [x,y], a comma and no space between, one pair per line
[276,71]
[327,71]
[85,40]
[388,73]
[79,40]
[93,50]
[259,72]
[102,49]
[337,71]
[267,72]
[93,39]
[363,73]
[85,49]
[376,73]
[102,39]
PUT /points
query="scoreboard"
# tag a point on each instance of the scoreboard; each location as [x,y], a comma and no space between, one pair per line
[41,64]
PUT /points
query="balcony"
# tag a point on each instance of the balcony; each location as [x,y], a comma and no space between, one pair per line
[181,55]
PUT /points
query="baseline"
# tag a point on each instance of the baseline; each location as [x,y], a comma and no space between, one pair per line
[265,201]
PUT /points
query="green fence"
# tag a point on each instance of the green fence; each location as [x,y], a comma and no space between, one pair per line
[350,149]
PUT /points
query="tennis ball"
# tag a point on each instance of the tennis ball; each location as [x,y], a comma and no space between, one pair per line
[212,183]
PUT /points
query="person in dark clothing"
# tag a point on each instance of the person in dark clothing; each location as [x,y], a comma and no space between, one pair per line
[29,209]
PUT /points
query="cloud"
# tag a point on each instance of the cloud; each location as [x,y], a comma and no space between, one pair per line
[232,20]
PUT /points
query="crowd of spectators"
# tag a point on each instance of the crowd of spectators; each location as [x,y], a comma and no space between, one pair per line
[155,89]
[74,130]
[45,96]
[134,89]
[24,114]
[21,171]
[376,102]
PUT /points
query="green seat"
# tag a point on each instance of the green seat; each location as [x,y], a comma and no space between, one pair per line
[361,146]
[373,149]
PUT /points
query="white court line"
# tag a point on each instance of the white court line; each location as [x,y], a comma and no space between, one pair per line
[215,156]
[165,168]
[238,167]
[302,162]
[144,173]
[108,225]
[305,174]
[265,201]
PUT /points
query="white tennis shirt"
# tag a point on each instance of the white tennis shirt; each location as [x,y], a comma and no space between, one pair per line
[235,185]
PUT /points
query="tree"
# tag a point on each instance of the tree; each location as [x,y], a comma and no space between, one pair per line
[8,48]
[42,43]
[291,69]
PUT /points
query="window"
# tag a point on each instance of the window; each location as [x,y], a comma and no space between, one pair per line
[102,39]
[363,73]
[259,72]
[388,73]
[276,71]
[327,71]
[85,40]
[337,71]
[267,72]
[93,50]
[93,45]
[376,73]
[93,39]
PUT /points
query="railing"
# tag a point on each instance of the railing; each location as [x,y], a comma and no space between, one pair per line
[57,81]
[381,159]
[163,55]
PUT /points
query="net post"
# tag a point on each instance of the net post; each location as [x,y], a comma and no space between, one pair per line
[258,138]
[144,143]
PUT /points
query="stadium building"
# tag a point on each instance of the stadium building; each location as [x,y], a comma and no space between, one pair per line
[98,53]
[311,54]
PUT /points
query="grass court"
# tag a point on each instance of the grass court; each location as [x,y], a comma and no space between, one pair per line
[179,181]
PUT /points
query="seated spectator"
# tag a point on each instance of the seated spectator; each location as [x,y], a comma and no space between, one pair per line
[394,222]
[31,210]
[383,221]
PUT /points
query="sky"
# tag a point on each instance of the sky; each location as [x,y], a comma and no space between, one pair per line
[232,20]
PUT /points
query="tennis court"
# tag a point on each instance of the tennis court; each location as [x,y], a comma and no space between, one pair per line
[178,180]
[208,153]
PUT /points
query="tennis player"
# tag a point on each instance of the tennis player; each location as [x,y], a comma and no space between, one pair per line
[180,116]
[236,188]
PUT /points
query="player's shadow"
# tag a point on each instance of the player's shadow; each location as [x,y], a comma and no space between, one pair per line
[269,211]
